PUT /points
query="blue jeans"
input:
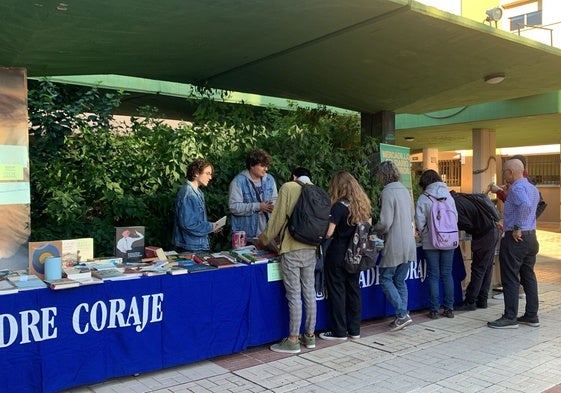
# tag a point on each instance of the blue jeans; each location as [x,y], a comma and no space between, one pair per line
[392,281]
[439,268]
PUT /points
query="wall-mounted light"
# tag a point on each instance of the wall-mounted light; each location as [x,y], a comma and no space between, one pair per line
[495,78]
[494,15]
[409,138]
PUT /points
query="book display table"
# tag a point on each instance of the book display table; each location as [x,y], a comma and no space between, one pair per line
[54,340]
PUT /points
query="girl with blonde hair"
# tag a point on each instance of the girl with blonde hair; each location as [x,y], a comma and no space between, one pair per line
[350,205]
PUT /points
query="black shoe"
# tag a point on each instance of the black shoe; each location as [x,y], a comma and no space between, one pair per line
[465,306]
[481,303]
[530,321]
[448,313]
[503,323]
[433,315]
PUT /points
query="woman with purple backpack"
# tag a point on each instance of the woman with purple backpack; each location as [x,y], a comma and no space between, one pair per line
[439,259]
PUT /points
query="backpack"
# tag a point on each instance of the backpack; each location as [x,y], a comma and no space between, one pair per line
[362,251]
[541,206]
[486,205]
[310,218]
[443,224]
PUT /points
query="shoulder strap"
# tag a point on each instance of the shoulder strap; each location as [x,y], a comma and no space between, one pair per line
[257,196]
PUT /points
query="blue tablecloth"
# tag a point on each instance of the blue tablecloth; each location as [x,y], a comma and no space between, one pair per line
[54,340]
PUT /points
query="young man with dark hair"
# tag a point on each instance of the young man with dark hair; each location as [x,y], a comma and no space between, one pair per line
[252,195]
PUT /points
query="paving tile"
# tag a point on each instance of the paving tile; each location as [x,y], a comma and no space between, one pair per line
[444,355]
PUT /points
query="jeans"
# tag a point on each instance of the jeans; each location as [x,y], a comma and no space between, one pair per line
[392,281]
[439,268]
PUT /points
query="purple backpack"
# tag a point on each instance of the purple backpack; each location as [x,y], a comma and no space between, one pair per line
[443,224]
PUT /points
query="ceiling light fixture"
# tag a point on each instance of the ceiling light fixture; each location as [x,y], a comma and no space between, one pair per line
[495,78]
[409,138]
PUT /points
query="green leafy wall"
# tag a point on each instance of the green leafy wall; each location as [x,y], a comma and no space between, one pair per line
[90,174]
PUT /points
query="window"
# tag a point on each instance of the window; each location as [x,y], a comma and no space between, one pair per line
[451,172]
[544,169]
[529,19]
[534,18]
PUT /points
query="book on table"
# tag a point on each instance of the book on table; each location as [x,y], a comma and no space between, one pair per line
[89,281]
[6,287]
[176,270]
[193,266]
[77,273]
[221,262]
[62,283]
[26,282]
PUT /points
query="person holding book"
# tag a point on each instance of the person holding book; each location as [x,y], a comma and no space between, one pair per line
[252,195]
[191,227]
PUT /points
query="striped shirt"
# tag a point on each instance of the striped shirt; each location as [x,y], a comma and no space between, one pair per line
[520,206]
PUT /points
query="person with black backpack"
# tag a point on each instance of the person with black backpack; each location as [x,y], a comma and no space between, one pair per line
[478,216]
[297,258]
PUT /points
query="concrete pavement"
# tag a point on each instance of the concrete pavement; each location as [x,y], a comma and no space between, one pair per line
[443,355]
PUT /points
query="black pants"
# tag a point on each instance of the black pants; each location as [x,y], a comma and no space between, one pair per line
[517,261]
[343,297]
[483,255]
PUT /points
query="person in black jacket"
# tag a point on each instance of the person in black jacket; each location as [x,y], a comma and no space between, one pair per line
[479,218]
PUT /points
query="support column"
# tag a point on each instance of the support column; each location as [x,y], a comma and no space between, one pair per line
[430,159]
[484,159]
[380,125]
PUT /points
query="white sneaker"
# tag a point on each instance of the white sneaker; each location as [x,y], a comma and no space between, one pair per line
[501,296]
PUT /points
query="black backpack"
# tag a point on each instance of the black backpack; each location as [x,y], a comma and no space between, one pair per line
[310,217]
[362,251]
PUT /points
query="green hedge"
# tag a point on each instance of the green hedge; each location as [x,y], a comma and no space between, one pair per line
[90,174]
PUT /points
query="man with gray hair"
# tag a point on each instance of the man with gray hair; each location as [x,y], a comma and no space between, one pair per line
[519,247]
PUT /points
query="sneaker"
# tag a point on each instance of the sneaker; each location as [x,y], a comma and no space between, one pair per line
[354,336]
[308,341]
[501,296]
[448,313]
[330,336]
[433,315]
[503,323]
[400,323]
[465,306]
[286,346]
[530,321]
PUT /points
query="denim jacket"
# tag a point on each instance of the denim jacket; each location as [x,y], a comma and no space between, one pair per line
[244,206]
[191,227]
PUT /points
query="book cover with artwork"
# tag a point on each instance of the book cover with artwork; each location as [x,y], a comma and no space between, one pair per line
[71,251]
[129,243]
[39,252]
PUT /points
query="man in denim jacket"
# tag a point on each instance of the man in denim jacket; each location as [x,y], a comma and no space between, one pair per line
[252,196]
[191,227]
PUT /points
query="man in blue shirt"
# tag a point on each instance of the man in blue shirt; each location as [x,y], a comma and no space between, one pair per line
[519,248]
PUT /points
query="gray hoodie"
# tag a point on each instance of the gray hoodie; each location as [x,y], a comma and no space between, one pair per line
[422,210]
